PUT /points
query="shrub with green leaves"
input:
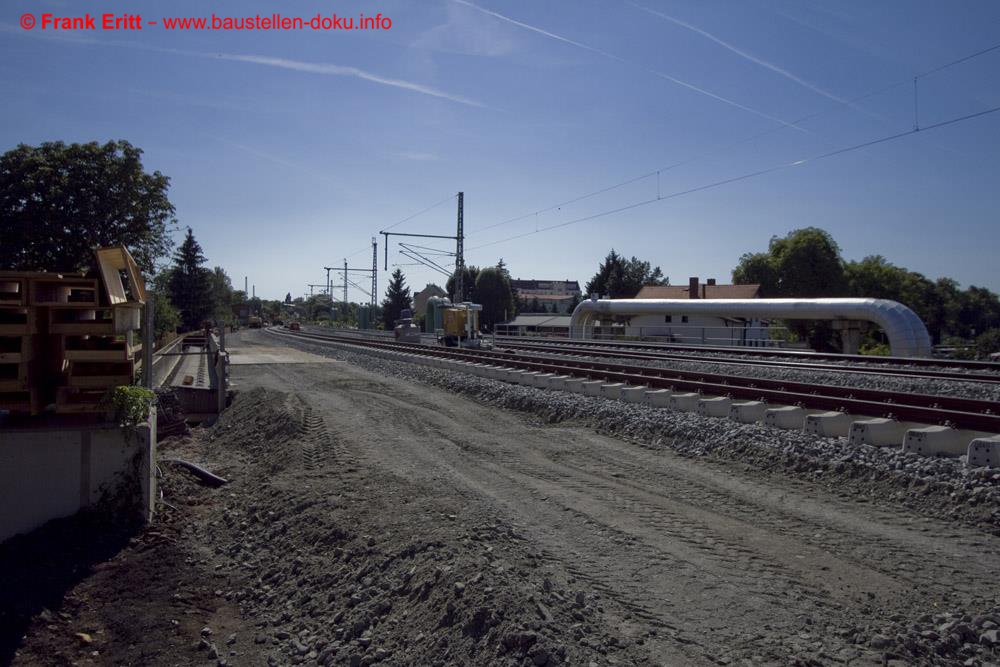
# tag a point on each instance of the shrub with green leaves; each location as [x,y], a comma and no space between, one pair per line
[131,404]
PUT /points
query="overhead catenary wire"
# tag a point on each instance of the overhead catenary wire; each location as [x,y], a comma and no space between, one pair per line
[754,137]
[753,174]
[419,213]
[406,219]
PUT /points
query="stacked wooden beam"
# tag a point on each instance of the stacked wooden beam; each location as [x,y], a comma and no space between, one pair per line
[69,338]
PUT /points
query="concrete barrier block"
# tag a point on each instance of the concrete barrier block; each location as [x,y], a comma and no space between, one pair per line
[542,379]
[659,398]
[575,385]
[747,412]
[633,394]
[686,402]
[558,382]
[828,424]
[984,452]
[716,406]
[612,390]
[879,432]
[790,417]
[937,441]
[528,378]
[593,387]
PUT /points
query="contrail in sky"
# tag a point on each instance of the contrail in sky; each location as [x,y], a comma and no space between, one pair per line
[617,58]
[741,53]
[325,69]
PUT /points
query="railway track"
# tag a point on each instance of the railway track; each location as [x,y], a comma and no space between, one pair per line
[655,354]
[807,355]
[958,413]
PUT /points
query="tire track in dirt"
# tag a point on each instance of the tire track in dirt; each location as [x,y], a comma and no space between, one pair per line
[692,550]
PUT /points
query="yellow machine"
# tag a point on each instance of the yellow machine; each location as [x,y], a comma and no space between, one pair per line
[461,325]
[254,322]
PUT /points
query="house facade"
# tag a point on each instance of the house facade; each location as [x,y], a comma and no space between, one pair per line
[559,293]
[700,329]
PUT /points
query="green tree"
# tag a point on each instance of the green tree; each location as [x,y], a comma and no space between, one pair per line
[191,284]
[573,303]
[58,202]
[620,278]
[469,274]
[165,316]
[397,298]
[758,268]
[288,297]
[988,343]
[493,291]
[804,263]
[222,294]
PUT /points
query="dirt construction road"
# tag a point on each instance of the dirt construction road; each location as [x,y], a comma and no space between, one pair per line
[700,561]
[373,518]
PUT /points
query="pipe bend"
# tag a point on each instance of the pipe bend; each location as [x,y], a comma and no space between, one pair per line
[907,334]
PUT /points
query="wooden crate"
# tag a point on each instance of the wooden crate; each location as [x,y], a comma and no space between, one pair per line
[61,291]
[81,322]
[21,402]
[14,376]
[73,400]
[16,349]
[18,321]
[99,348]
[98,374]
[13,291]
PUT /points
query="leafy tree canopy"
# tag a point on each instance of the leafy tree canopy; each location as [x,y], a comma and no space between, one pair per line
[469,275]
[493,291]
[805,263]
[58,202]
[620,278]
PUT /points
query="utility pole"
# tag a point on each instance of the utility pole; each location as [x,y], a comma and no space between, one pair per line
[345,285]
[459,254]
[374,272]
[414,252]
[328,269]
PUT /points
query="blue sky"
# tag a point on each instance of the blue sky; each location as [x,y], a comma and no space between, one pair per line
[289,150]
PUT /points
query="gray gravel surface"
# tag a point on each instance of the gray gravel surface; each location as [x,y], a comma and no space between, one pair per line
[708,541]
[943,387]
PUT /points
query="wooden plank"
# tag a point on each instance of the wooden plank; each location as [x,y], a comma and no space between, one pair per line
[26,325]
[97,355]
[59,291]
[91,328]
[13,291]
[98,381]
[21,402]
[22,354]
[70,400]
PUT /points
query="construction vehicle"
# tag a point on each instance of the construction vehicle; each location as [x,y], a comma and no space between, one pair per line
[405,330]
[254,322]
[461,325]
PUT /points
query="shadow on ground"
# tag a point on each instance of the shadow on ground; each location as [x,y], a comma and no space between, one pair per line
[37,569]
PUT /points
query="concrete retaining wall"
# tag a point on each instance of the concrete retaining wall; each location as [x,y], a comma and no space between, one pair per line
[47,473]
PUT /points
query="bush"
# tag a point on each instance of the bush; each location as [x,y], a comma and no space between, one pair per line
[987,343]
[131,404]
[875,349]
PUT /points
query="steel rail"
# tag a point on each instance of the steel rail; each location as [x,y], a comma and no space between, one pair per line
[765,352]
[653,355]
[962,413]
